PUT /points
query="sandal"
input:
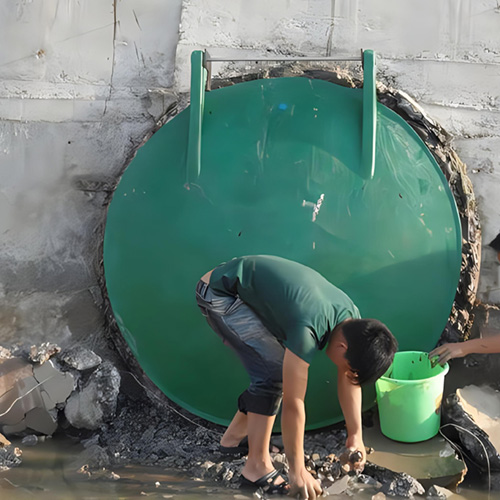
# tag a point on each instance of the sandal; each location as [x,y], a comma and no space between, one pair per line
[267,483]
[242,448]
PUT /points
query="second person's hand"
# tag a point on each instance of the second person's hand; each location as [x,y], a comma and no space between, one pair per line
[446,352]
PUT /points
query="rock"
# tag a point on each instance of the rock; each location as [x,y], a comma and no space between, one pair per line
[43,352]
[350,459]
[14,429]
[93,457]
[95,403]
[5,353]
[30,440]
[4,441]
[438,492]
[379,496]
[80,358]
[364,479]
[394,483]
[10,456]
[471,419]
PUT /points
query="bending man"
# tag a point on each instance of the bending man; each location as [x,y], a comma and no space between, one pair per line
[276,314]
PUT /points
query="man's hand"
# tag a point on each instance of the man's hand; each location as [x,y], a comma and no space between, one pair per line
[303,485]
[356,453]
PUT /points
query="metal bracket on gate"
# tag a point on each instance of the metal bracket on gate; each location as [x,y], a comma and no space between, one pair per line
[201,66]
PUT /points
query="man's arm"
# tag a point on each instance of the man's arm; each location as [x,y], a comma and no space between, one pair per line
[487,345]
[350,397]
[293,418]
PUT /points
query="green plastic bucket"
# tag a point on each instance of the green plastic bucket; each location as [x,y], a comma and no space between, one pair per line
[409,397]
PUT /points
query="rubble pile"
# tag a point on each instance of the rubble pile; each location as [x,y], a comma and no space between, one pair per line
[10,456]
[47,390]
[149,434]
[43,389]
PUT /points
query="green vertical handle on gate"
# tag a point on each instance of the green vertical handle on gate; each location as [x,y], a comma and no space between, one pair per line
[369,128]
[197,104]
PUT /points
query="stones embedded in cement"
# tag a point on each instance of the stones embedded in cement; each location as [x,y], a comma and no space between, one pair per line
[43,352]
[95,402]
[471,419]
[80,358]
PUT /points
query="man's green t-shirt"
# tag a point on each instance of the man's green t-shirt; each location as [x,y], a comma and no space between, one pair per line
[295,303]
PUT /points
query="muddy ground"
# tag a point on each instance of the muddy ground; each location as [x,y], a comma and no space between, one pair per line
[151,434]
[122,422]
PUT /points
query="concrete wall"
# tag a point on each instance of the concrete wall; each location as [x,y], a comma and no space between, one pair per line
[84,82]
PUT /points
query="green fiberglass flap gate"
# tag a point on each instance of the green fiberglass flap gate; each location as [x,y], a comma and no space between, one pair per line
[299,168]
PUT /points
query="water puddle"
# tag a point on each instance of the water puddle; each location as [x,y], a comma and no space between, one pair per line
[48,472]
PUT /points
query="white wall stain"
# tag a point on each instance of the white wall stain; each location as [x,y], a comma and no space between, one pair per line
[83,82]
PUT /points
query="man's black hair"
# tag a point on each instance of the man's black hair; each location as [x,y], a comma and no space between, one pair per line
[370,348]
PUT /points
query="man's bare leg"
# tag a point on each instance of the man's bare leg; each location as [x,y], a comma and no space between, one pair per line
[259,461]
[236,431]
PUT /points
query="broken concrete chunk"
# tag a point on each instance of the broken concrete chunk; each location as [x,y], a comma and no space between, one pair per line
[22,398]
[379,496]
[14,429]
[39,388]
[11,370]
[43,352]
[95,403]
[57,384]
[47,402]
[80,358]
[339,486]
[41,420]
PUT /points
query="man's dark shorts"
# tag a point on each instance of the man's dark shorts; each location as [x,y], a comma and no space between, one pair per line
[259,351]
